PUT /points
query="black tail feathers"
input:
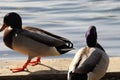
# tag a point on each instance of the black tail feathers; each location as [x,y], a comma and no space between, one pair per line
[68,46]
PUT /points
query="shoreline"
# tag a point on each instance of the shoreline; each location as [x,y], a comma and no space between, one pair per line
[49,67]
[44,58]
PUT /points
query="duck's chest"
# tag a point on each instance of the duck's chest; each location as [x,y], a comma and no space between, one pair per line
[8,37]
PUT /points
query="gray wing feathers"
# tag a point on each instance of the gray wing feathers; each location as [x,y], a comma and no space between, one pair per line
[90,63]
[45,32]
[40,36]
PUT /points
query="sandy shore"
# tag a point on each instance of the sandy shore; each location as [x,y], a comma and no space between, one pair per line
[48,66]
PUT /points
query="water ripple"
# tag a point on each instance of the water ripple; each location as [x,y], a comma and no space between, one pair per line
[69,18]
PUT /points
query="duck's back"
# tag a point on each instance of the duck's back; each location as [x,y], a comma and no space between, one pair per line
[85,60]
[91,61]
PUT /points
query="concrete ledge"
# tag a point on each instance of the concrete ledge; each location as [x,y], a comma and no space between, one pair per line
[36,77]
[51,69]
[108,76]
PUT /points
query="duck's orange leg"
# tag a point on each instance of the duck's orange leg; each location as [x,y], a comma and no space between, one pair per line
[22,68]
[37,61]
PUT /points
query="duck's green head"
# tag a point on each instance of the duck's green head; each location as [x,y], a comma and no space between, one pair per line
[91,37]
[12,20]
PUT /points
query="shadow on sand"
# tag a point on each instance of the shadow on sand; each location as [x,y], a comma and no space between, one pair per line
[51,74]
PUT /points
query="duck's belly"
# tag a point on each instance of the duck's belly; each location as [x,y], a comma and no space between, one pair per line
[32,48]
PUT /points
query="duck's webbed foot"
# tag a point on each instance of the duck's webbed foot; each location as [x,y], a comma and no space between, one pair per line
[17,70]
[23,68]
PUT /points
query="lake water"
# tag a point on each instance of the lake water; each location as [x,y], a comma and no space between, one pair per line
[67,18]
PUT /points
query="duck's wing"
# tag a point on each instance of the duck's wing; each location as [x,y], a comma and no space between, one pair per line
[90,62]
[43,36]
[45,32]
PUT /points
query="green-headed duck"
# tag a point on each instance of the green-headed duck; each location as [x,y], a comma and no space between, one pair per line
[90,62]
[32,41]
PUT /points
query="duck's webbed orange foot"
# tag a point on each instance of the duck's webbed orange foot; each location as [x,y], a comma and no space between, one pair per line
[18,69]
[23,68]
[33,63]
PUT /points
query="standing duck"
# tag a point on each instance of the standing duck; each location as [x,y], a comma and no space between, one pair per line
[32,41]
[90,62]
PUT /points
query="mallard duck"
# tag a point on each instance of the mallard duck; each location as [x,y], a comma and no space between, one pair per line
[32,41]
[91,61]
